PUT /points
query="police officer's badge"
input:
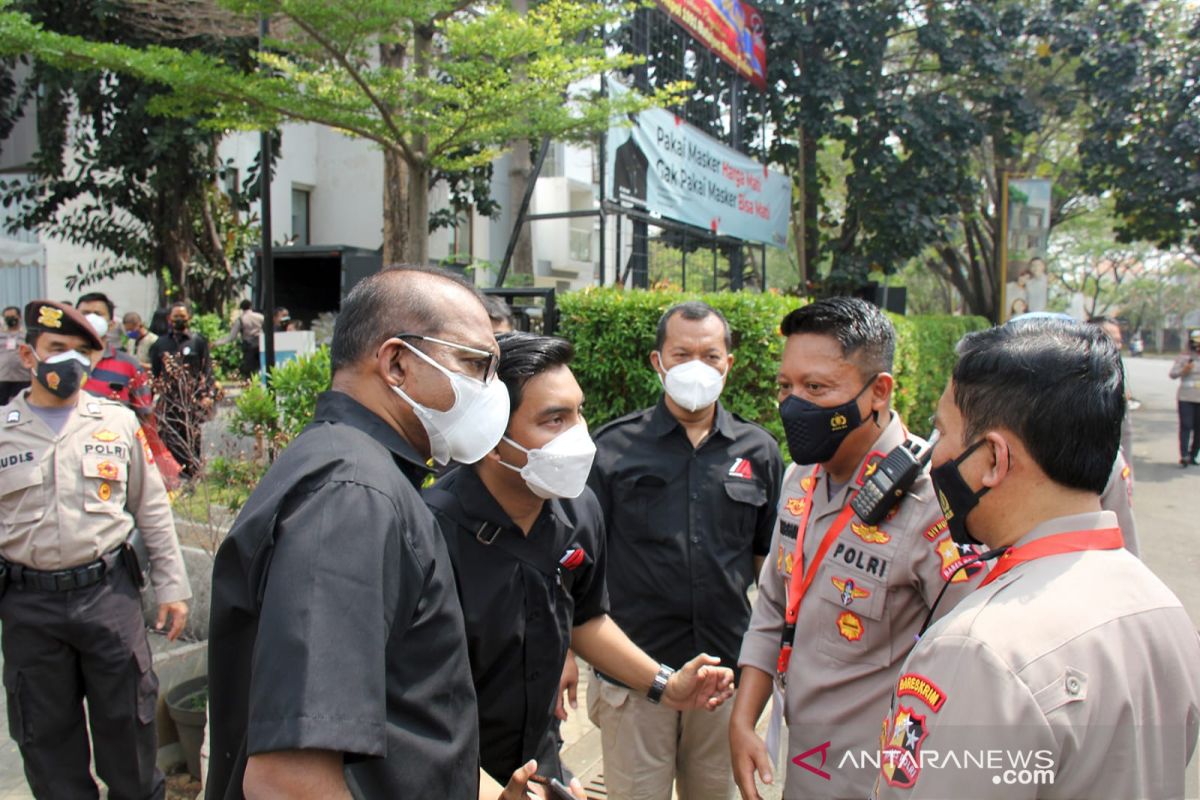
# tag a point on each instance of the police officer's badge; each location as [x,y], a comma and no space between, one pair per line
[901,756]
[50,317]
[104,492]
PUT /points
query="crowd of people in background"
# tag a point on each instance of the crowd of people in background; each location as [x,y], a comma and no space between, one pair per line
[163,373]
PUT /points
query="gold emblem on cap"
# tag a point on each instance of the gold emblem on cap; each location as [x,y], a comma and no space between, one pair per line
[50,317]
[838,422]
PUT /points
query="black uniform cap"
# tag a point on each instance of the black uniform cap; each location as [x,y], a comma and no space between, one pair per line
[50,316]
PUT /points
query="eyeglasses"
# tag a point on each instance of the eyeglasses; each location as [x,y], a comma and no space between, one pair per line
[484,361]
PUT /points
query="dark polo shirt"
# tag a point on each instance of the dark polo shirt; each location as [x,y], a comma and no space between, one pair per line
[521,596]
[335,621]
[684,525]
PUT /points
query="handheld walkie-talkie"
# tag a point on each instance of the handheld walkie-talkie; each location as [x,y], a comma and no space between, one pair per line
[892,477]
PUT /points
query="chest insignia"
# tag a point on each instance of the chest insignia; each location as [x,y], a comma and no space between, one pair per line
[850,626]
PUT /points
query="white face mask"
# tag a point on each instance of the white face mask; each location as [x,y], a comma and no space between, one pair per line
[470,428]
[692,384]
[560,467]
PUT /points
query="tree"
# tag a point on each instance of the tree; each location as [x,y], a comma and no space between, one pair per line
[111,175]
[1143,141]
[429,81]
[1088,261]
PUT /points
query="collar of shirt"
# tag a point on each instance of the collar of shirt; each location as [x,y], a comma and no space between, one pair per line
[1095,520]
[485,508]
[662,421]
[334,406]
[20,413]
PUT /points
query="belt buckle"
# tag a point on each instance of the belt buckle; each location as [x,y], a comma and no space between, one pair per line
[65,581]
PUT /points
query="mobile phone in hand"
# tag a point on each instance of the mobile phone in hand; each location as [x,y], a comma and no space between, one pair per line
[554,788]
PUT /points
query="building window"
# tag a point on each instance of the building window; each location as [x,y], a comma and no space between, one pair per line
[300,205]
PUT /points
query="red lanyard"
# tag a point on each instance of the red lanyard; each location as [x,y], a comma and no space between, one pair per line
[1072,542]
[802,578]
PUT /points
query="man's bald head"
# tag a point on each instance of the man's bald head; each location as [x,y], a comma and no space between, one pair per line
[402,299]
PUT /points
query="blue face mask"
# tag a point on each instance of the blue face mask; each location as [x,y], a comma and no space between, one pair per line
[135,335]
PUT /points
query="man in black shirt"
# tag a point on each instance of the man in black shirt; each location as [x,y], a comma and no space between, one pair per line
[338,663]
[688,492]
[183,379]
[526,538]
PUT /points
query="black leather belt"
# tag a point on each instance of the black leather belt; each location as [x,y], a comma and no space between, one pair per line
[64,580]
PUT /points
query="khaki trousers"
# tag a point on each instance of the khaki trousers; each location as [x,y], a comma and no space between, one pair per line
[649,747]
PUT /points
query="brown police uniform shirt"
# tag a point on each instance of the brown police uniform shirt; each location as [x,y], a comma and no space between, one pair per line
[1118,498]
[67,499]
[1069,676]
[858,620]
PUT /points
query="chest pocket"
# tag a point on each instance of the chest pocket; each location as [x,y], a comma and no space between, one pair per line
[740,517]
[638,509]
[22,498]
[104,479]
[851,615]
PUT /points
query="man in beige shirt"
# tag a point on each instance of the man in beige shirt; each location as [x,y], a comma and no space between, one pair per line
[866,589]
[1071,671]
[76,476]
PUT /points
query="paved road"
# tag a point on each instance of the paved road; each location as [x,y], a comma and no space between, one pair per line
[1166,499]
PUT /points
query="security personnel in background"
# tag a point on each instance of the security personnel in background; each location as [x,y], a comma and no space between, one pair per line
[688,492]
[75,477]
[526,537]
[13,375]
[117,375]
[337,657]
[1072,661]
[840,601]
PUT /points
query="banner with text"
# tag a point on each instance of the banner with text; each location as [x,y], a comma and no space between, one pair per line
[665,166]
[731,29]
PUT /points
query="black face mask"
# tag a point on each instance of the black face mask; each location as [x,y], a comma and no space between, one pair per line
[814,433]
[12,322]
[180,325]
[62,378]
[956,498]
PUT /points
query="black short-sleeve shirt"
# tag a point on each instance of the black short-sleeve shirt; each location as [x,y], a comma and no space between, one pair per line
[521,596]
[684,524]
[335,620]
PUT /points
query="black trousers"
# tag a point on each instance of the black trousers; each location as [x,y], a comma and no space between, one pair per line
[60,647]
[1189,430]
[250,365]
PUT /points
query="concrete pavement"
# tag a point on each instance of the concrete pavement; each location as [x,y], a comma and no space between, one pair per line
[1165,505]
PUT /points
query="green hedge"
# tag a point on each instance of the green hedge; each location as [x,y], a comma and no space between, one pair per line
[613,333]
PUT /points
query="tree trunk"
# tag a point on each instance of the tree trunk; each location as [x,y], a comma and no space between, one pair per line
[418,214]
[396,209]
[395,183]
[518,180]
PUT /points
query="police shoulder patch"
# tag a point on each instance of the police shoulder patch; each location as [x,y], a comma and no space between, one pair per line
[901,755]
[911,684]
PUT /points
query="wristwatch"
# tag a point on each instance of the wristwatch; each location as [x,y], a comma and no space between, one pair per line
[654,695]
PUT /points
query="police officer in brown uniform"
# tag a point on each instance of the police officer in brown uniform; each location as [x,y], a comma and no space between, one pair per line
[75,478]
[1071,671]
[854,594]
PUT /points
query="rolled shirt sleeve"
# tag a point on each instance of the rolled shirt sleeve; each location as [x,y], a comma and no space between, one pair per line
[319,665]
